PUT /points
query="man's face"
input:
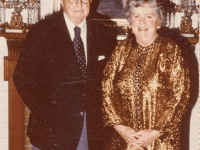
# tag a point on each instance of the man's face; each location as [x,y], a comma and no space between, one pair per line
[76,12]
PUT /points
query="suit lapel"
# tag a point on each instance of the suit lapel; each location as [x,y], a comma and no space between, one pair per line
[67,49]
[91,42]
[66,44]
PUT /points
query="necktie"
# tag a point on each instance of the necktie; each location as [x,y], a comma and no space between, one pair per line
[79,50]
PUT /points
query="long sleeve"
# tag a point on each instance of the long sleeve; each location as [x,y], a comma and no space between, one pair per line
[113,67]
[147,88]
[175,95]
[27,75]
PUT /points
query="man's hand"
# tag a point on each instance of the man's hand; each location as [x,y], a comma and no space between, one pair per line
[127,134]
[147,136]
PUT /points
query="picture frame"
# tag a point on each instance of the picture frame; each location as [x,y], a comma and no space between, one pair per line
[109,11]
[111,8]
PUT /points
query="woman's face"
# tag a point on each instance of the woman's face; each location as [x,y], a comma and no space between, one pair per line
[144,22]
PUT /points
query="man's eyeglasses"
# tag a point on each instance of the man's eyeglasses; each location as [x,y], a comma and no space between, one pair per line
[82,1]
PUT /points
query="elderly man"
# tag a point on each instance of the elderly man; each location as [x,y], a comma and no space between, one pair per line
[58,76]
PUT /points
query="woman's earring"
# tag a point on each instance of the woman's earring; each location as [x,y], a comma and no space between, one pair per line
[159,25]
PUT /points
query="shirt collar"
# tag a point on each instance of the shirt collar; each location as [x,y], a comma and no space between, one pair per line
[71,26]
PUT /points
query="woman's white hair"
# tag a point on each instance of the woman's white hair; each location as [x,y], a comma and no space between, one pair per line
[130,5]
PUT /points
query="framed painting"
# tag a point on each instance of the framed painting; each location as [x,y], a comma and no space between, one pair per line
[112,8]
[109,11]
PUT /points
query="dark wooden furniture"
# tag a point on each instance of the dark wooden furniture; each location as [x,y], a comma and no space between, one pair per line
[16,107]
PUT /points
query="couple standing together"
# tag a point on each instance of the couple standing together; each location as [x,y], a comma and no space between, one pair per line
[71,84]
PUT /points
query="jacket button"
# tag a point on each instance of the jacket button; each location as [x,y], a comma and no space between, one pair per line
[84,95]
[56,144]
[81,113]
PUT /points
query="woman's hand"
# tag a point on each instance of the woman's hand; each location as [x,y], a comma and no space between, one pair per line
[127,134]
[147,136]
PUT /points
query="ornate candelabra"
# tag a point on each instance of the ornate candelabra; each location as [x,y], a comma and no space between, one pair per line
[16,18]
[169,13]
[33,11]
[188,7]
[32,8]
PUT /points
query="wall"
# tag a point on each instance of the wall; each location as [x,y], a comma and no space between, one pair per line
[3,98]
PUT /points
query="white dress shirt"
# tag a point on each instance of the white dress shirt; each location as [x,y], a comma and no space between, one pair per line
[83,142]
[71,26]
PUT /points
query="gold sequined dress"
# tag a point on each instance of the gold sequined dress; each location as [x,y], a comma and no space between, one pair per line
[146,88]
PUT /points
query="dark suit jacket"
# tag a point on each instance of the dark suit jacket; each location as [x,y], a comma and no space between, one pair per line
[50,83]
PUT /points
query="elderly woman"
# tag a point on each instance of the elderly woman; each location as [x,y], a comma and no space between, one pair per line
[146,85]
